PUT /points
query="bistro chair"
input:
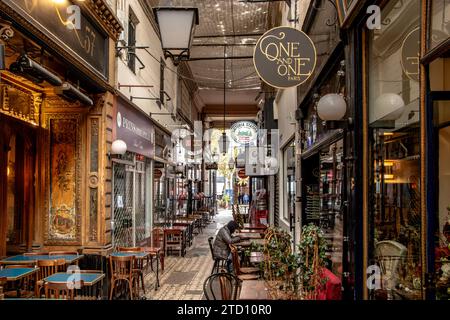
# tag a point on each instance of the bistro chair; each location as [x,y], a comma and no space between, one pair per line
[173,241]
[32,254]
[138,267]
[63,253]
[222,286]
[243,273]
[121,270]
[391,256]
[46,269]
[26,286]
[218,262]
[62,290]
[158,244]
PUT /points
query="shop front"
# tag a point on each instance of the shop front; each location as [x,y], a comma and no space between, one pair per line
[401,122]
[133,173]
[55,101]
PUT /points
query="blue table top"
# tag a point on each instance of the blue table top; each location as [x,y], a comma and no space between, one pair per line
[88,278]
[128,254]
[16,273]
[29,259]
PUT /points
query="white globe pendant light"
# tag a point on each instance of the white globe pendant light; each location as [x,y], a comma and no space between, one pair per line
[119,147]
[332,107]
[390,106]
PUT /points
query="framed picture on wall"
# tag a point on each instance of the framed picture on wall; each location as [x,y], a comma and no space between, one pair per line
[345,9]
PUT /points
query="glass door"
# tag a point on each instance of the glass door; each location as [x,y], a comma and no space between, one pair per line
[439,209]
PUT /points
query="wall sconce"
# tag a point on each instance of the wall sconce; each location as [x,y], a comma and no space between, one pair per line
[332,107]
[389,106]
[118,147]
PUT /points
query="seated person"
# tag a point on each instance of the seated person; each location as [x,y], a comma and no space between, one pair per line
[221,244]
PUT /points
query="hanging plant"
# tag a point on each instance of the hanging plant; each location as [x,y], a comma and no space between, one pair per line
[312,250]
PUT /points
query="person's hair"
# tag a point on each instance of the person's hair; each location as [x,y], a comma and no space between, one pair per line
[446,228]
[232,226]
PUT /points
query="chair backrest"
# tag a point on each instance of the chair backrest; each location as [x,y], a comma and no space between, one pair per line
[173,236]
[31,254]
[62,290]
[121,267]
[63,253]
[129,249]
[221,286]
[211,247]
[390,255]
[158,237]
[47,268]
[235,258]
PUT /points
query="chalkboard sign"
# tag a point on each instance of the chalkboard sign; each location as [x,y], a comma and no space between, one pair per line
[67,26]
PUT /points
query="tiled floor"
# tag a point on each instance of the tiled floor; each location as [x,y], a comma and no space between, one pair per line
[183,277]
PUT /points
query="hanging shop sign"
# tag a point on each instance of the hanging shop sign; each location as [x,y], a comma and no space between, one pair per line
[157,174]
[66,25]
[241,174]
[211,166]
[285,57]
[411,55]
[135,128]
[244,132]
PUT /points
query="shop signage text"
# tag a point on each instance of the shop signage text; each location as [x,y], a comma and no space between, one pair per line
[285,57]
[244,132]
[67,27]
[135,129]
[411,55]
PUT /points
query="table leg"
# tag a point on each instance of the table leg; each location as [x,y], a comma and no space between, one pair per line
[157,271]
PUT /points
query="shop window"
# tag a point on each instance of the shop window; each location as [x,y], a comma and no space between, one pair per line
[440,22]
[290,183]
[394,180]
[132,24]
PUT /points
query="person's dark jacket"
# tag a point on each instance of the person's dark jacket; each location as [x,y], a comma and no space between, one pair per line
[221,247]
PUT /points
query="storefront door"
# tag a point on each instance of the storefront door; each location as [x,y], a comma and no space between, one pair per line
[439,202]
[130,213]
[17,187]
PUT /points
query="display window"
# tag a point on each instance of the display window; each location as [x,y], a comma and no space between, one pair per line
[394,203]
[290,184]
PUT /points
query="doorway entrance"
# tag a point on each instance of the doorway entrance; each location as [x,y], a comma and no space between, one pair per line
[17,181]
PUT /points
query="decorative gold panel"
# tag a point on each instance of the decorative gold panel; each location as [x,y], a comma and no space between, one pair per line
[20,102]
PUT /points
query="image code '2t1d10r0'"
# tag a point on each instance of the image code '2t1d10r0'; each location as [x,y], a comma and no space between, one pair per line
[226,309]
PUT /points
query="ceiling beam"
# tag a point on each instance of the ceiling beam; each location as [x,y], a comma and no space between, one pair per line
[229,35]
[231,110]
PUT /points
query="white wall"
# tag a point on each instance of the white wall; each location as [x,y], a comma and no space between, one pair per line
[150,75]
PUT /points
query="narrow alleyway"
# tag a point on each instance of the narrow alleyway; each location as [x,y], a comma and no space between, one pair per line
[183,277]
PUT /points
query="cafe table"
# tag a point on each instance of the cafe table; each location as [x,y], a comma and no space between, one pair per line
[89,280]
[254,290]
[248,243]
[27,260]
[254,226]
[17,274]
[154,252]
[256,257]
[248,235]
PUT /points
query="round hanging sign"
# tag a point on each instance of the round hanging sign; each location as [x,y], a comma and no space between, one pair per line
[411,55]
[244,132]
[285,57]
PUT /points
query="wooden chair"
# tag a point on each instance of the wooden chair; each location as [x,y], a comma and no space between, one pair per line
[32,254]
[58,290]
[173,241]
[222,286]
[218,262]
[46,269]
[3,282]
[138,267]
[243,273]
[27,285]
[158,243]
[63,253]
[121,269]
